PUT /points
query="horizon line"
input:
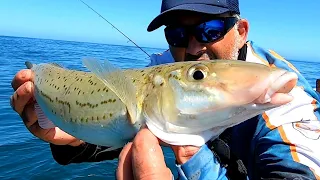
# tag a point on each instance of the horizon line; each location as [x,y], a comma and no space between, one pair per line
[79,41]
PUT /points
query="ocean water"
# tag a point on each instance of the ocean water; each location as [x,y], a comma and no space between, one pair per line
[22,156]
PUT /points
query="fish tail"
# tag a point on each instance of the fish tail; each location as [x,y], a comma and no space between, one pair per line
[28,64]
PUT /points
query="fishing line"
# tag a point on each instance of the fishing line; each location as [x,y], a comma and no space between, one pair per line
[114,27]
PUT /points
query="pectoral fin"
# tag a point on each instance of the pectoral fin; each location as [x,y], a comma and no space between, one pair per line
[114,78]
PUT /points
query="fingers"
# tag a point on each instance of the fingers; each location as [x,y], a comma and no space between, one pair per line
[280,99]
[29,116]
[147,157]
[21,97]
[54,135]
[184,153]
[124,171]
[21,77]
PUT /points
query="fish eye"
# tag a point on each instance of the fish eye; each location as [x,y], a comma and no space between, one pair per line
[198,75]
[197,72]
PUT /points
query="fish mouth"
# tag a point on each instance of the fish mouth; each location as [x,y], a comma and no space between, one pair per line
[282,82]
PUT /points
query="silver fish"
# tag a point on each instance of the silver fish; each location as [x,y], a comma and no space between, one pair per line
[108,105]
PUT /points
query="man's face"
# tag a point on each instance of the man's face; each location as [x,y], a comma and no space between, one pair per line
[226,47]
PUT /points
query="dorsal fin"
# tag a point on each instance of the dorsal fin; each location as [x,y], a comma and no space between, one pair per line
[56,64]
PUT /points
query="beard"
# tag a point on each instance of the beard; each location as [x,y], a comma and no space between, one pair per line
[235,51]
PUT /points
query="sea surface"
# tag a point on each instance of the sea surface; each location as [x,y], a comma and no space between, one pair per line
[22,156]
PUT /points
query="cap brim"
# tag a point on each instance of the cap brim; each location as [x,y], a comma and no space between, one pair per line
[201,8]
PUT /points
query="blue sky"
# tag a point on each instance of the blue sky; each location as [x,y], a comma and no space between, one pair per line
[290,27]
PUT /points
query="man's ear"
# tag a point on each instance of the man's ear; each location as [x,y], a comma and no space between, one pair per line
[243,30]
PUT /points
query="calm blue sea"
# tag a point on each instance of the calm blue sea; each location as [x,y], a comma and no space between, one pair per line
[23,156]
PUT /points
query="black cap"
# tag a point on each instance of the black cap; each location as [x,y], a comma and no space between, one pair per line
[202,6]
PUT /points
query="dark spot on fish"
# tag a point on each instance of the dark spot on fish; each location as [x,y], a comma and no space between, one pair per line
[223,86]
[98,90]
[92,92]
[110,114]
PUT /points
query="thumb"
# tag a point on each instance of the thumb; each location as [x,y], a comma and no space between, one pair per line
[147,157]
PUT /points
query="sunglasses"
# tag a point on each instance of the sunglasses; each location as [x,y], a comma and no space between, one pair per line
[206,32]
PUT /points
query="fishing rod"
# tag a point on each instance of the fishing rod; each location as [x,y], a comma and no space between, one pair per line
[114,27]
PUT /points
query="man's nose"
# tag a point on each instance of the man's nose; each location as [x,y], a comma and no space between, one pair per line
[195,47]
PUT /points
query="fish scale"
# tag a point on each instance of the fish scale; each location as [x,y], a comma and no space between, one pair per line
[76,96]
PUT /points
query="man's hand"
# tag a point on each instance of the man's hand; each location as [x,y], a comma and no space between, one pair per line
[143,158]
[22,101]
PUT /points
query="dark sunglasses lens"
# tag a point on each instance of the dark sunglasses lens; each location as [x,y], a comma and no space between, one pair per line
[177,37]
[210,31]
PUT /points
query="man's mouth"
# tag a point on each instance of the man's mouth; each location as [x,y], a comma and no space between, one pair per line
[198,57]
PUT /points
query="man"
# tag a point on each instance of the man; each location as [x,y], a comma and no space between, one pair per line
[278,144]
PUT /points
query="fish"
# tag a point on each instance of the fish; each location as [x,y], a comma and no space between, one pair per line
[182,103]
